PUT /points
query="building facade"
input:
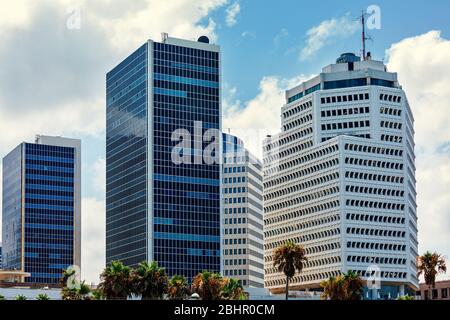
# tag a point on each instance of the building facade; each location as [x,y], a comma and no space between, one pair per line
[243,252]
[340,180]
[156,208]
[440,291]
[41,230]
[1,264]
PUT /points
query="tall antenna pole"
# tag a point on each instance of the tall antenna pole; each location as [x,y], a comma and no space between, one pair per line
[363,23]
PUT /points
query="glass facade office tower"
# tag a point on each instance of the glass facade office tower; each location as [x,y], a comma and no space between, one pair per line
[156,209]
[243,252]
[340,180]
[41,230]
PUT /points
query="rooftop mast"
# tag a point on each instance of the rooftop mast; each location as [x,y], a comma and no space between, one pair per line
[364,37]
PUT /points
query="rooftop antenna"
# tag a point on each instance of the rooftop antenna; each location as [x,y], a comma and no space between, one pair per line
[364,36]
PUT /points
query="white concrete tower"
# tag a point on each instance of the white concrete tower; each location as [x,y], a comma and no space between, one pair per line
[242,191]
[340,179]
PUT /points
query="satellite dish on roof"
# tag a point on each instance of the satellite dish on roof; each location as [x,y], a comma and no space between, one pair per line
[203,39]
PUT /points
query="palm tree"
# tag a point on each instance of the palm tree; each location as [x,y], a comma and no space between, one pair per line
[21,297]
[287,259]
[149,281]
[232,290]
[116,281]
[178,288]
[430,265]
[2,298]
[42,297]
[207,285]
[333,288]
[343,287]
[354,286]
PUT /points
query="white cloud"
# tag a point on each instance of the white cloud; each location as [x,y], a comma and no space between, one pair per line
[327,32]
[260,116]
[93,239]
[231,14]
[283,34]
[423,68]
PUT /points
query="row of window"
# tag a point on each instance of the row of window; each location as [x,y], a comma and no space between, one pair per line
[234,170]
[375,205]
[235,262]
[376,232]
[237,272]
[345,98]
[390,98]
[234,180]
[390,138]
[390,111]
[376,260]
[296,136]
[344,112]
[302,226]
[373,177]
[375,150]
[297,122]
[304,238]
[300,108]
[234,252]
[391,125]
[345,125]
[234,241]
[373,218]
[291,150]
[235,210]
[234,200]
[382,274]
[234,220]
[234,190]
[376,246]
[314,277]
[315,249]
[235,230]
[374,163]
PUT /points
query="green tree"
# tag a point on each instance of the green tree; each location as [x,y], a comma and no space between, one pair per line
[288,259]
[2,297]
[208,285]
[178,288]
[21,297]
[347,286]
[149,281]
[430,265]
[232,290]
[115,281]
[407,297]
[42,297]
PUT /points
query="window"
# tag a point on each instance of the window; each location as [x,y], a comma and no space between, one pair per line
[444,293]
[435,294]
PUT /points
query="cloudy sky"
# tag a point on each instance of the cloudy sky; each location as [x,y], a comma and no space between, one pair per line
[55,53]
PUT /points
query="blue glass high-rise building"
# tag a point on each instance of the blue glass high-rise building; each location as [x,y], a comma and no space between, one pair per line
[41,229]
[156,209]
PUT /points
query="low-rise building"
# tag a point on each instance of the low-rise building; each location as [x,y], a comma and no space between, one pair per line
[440,291]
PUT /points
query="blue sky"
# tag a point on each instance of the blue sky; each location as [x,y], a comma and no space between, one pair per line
[52,76]
[247,59]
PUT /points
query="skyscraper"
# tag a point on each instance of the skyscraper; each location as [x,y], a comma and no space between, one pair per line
[41,230]
[156,208]
[340,179]
[243,254]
